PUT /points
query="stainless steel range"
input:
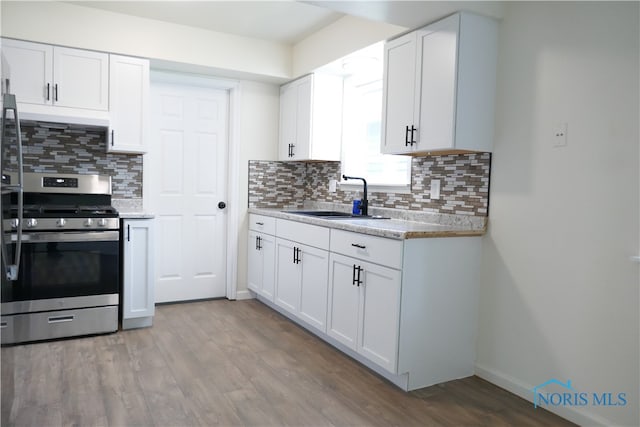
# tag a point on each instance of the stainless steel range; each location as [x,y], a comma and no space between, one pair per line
[66,281]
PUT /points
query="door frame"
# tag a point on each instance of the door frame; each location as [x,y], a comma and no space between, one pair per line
[233,87]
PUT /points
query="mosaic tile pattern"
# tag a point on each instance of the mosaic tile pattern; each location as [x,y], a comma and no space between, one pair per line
[276,184]
[464,185]
[58,148]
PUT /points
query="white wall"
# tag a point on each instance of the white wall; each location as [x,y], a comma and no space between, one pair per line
[341,38]
[259,135]
[83,27]
[559,296]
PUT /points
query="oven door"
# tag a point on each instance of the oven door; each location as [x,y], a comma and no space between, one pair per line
[64,270]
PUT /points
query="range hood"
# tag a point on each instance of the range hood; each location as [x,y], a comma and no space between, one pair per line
[72,116]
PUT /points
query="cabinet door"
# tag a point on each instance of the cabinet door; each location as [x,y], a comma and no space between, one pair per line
[81,79]
[128,103]
[29,69]
[399,93]
[295,119]
[288,274]
[378,328]
[304,102]
[255,263]
[344,301]
[438,63]
[288,111]
[268,249]
[138,298]
[313,287]
[261,264]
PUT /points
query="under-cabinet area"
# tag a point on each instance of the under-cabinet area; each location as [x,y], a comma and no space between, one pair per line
[395,305]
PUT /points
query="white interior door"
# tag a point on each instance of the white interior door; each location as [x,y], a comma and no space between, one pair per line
[187,161]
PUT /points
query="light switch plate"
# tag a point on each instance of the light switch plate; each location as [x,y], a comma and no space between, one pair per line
[332,185]
[435,189]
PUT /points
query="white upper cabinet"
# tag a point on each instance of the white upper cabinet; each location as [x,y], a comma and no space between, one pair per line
[80,79]
[51,75]
[129,104]
[27,70]
[439,87]
[311,118]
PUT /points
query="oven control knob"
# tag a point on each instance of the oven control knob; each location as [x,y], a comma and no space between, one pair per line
[102,222]
[61,222]
[14,223]
[88,222]
[32,222]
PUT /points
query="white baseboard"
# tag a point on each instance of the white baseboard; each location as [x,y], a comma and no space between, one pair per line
[240,295]
[525,391]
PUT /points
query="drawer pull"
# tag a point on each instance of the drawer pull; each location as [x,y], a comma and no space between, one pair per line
[259,223]
[355,245]
[3,325]
[60,319]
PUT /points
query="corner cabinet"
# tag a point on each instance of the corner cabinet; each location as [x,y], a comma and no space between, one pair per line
[439,87]
[311,118]
[138,295]
[129,104]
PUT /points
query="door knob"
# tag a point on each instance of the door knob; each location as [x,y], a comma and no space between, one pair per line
[222,205]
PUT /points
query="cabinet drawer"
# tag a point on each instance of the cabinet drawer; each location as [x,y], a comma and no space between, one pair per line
[307,234]
[378,250]
[265,224]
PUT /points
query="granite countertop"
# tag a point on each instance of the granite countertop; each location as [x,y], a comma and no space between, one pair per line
[391,228]
[131,209]
[136,215]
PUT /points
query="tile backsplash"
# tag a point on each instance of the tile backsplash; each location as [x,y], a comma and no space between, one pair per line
[58,148]
[464,185]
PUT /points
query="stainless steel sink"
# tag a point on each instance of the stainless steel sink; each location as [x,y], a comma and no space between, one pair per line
[334,215]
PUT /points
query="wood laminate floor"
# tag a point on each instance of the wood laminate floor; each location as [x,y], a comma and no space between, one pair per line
[230,363]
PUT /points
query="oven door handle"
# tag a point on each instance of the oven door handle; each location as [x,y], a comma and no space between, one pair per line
[11,269]
[81,236]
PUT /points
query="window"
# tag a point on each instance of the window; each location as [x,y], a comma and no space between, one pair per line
[361,134]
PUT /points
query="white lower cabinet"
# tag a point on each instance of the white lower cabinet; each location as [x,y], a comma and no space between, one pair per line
[261,259]
[138,296]
[301,281]
[364,301]
[261,256]
[405,308]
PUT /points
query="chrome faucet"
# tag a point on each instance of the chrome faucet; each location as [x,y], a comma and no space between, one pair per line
[364,204]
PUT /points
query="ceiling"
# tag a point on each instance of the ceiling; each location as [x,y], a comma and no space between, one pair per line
[289,21]
[283,21]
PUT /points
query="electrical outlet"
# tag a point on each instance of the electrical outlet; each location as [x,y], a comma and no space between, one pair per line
[435,189]
[332,185]
[560,134]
